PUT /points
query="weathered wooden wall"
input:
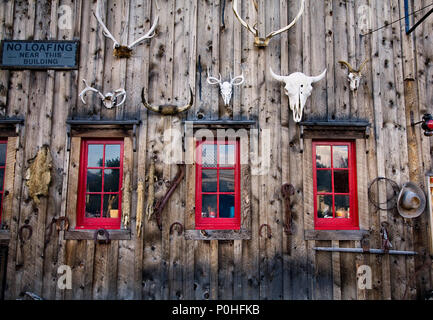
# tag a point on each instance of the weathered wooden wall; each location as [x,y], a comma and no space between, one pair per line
[191,34]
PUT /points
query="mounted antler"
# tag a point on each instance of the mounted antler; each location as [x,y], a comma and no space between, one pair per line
[121,51]
[109,100]
[263,42]
[226,88]
[168,109]
[354,76]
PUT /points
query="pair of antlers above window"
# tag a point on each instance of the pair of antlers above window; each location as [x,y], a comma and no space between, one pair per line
[122,51]
[259,41]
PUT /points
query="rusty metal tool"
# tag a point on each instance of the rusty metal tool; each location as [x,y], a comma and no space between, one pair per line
[173,185]
[288,190]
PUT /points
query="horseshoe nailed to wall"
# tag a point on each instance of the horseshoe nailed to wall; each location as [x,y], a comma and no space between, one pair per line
[38,175]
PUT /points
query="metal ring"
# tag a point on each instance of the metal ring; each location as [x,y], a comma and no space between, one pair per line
[395,188]
[102,232]
[180,229]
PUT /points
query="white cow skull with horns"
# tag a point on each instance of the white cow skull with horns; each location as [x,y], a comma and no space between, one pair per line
[226,87]
[298,88]
[109,99]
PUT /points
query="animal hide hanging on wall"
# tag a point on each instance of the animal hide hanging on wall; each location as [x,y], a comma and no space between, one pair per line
[38,175]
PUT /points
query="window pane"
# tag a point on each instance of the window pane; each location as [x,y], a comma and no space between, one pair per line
[2,175]
[324,181]
[227,155]
[342,207]
[209,181]
[111,180]
[324,206]
[111,206]
[95,155]
[227,206]
[3,147]
[209,206]
[94,180]
[209,154]
[341,181]
[227,181]
[341,156]
[93,206]
[323,156]
[112,155]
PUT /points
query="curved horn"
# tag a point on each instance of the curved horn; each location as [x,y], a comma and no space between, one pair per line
[147,105]
[246,25]
[121,93]
[275,76]
[150,34]
[301,11]
[167,110]
[189,105]
[106,32]
[347,64]
[319,77]
[212,80]
[240,80]
[89,88]
[363,64]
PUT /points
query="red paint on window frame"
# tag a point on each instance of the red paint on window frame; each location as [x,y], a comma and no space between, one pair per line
[351,223]
[97,223]
[203,223]
[3,141]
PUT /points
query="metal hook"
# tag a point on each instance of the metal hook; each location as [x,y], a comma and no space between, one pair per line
[180,229]
[269,230]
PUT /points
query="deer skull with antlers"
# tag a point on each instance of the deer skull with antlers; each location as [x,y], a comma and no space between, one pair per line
[354,75]
[122,51]
[168,109]
[109,99]
[259,41]
[298,88]
[226,87]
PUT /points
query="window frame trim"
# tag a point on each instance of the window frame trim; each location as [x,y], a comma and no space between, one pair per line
[334,223]
[217,223]
[83,223]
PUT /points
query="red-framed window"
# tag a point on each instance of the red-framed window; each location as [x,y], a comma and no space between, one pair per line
[3,155]
[100,184]
[218,185]
[335,192]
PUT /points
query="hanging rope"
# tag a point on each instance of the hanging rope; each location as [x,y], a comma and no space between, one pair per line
[391,201]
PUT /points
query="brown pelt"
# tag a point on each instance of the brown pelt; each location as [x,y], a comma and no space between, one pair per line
[38,174]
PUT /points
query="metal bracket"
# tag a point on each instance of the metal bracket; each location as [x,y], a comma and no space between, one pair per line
[68,132]
[102,232]
[134,137]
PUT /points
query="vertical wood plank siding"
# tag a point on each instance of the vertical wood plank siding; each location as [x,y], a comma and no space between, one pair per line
[192,36]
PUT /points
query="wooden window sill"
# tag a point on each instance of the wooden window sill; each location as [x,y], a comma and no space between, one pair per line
[242,234]
[90,234]
[341,235]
